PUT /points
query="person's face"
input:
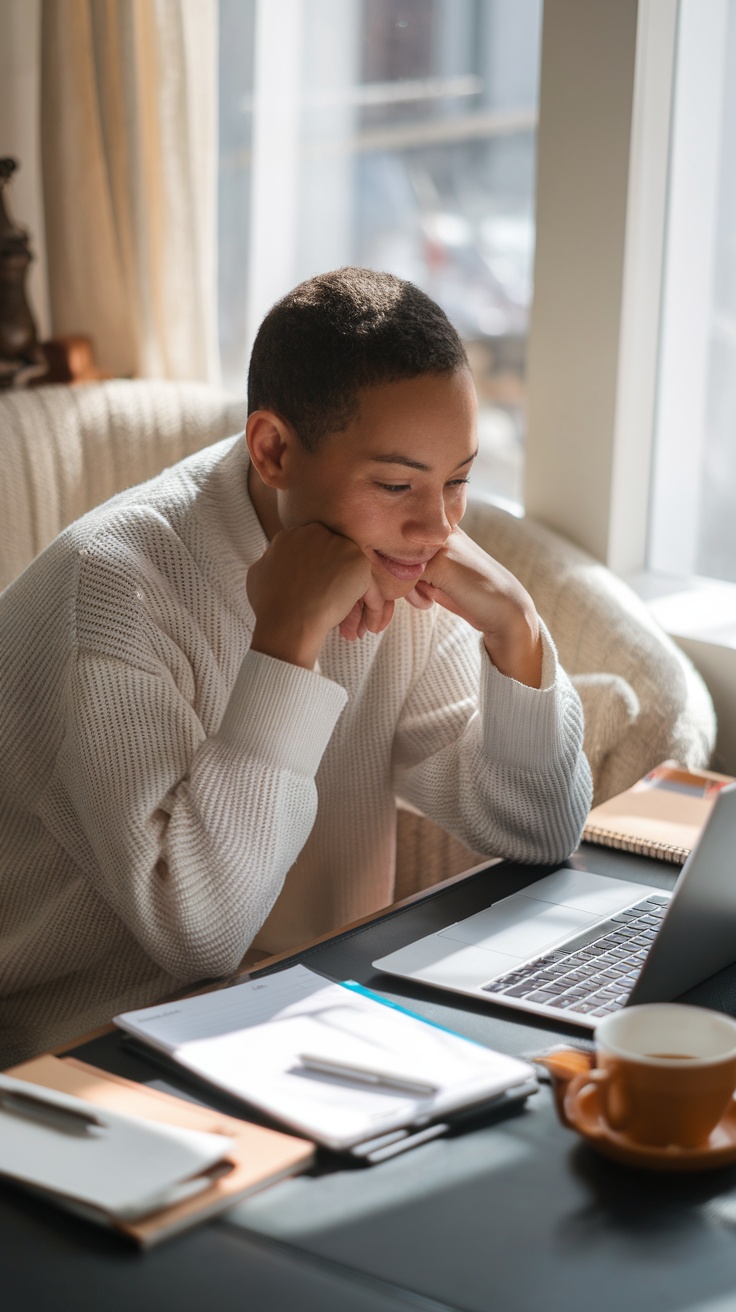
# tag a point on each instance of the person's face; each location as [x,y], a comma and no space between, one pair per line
[395,479]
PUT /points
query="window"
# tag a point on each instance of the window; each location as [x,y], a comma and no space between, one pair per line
[398,134]
[693,521]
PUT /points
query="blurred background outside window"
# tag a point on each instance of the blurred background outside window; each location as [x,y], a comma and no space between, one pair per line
[693,513]
[398,134]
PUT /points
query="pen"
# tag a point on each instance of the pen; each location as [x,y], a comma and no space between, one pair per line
[47,1112]
[367,1075]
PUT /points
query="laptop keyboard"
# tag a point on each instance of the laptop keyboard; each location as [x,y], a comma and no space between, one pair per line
[595,972]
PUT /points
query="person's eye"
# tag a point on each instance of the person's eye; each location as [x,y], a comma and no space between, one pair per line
[458,482]
[394,487]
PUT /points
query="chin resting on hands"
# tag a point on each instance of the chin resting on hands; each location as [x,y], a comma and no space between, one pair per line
[464,579]
[307,582]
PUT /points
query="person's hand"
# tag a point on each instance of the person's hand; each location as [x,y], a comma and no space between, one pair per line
[370,614]
[307,582]
[465,580]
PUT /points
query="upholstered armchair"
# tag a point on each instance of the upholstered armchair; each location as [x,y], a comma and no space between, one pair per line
[66,449]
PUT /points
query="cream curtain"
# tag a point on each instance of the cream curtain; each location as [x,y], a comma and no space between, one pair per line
[129,155]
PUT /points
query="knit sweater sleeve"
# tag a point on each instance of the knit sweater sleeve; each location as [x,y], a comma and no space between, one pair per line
[499,764]
[189,838]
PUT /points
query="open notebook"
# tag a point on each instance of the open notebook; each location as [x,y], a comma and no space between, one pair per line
[264,1040]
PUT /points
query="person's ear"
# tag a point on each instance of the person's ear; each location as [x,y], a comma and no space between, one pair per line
[271,443]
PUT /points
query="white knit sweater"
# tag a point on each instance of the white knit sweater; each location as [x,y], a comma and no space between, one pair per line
[160,784]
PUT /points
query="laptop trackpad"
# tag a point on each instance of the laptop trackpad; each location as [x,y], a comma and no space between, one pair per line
[520,926]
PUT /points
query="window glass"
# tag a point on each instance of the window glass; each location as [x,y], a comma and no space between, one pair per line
[693,521]
[398,134]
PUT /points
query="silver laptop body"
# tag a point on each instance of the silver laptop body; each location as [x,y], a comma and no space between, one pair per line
[576,946]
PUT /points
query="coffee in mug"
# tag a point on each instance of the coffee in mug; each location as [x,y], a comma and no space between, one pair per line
[665,1073]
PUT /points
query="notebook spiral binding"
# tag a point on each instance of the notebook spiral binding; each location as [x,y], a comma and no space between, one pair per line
[638,846]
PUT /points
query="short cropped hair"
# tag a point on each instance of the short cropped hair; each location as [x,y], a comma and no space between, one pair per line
[338,333]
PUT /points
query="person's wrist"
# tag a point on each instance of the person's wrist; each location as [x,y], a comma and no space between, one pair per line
[292,644]
[516,650]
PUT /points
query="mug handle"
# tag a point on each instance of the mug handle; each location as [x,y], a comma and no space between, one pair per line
[581,1101]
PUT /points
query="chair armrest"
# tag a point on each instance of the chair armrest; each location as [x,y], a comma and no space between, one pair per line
[643,699]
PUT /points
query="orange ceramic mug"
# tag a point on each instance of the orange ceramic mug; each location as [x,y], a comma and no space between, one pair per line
[665,1073]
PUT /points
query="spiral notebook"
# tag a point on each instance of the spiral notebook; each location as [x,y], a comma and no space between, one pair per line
[661,815]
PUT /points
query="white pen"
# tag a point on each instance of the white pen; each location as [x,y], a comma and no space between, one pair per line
[36,1107]
[367,1075]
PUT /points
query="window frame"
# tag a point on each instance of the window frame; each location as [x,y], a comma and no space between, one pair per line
[602,150]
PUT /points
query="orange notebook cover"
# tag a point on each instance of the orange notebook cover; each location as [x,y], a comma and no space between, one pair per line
[662,815]
[259,1158]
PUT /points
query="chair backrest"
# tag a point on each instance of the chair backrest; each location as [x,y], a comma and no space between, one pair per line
[643,699]
[66,449]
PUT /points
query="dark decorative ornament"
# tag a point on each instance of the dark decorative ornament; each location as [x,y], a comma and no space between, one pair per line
[21,357]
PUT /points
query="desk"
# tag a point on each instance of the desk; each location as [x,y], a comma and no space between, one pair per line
[516,1215]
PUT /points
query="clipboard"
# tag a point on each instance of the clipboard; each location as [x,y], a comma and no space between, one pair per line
[257,1157]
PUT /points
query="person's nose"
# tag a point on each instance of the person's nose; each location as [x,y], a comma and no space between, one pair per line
[429,523]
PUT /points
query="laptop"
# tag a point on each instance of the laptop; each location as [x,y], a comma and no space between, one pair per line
[576,946]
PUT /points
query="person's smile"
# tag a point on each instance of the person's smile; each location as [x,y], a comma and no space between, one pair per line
[400,567]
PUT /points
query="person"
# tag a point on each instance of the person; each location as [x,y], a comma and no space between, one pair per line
[214,686]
